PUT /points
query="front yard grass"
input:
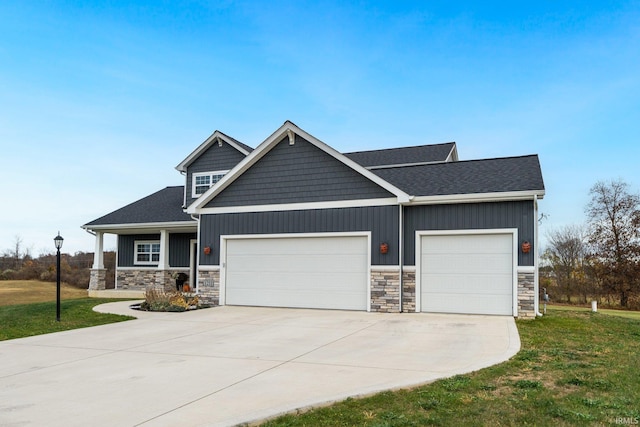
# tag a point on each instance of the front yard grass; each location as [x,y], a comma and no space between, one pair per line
[28,291]
[24,320]
[574,368]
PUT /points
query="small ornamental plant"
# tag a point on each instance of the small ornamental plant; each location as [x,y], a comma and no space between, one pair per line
[156,299]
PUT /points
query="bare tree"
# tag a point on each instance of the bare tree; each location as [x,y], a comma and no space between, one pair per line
[614,216]
[566,257]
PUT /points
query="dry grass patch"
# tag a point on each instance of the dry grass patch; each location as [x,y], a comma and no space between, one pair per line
[29,291]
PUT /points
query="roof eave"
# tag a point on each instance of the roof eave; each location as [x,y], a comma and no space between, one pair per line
[129,227]
[478,197]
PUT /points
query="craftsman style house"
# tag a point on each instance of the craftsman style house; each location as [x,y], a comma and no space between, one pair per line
[295,223]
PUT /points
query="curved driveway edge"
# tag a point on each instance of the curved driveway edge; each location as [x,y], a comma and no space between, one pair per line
[228,365]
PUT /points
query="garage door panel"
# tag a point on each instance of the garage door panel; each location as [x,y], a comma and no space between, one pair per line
[462,284]
[462,243]
[480,304]
[273,262]
[467,273]
[483,263]
[304,272]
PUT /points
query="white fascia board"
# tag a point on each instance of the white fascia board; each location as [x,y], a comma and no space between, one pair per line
[118,228]
[357,203]
[182,167]
[267,145]
[476,198]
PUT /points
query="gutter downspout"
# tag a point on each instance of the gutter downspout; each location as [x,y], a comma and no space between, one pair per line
[197,269]
[400,251]
[536,278]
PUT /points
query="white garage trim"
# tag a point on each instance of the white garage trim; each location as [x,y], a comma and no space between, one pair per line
[418,261]
[225,238]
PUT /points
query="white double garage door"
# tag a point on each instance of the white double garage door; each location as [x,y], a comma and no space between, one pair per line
[456,273]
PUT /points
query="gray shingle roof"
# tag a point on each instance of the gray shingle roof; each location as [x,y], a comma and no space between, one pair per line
[162,206]
[403,155]
[467,177]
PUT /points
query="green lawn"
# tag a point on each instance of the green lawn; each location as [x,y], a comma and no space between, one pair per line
[621,313]
[23,320]
[574,368]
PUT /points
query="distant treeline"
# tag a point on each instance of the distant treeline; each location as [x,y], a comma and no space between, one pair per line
[74,269]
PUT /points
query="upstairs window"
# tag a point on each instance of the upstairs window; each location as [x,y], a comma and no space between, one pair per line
[202,181]
[147,252]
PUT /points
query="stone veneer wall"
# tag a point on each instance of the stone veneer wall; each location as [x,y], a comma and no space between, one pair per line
[97,279]
[526,295]
[408,291]
[141,279]
[209,287]
[385,292]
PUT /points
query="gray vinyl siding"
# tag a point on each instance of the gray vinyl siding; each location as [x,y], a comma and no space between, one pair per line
[215,158]
[471,216]
[295,174]
[126,247]
[179,247]
[382,221]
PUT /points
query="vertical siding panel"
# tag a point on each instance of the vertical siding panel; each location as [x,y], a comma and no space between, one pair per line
[516,214]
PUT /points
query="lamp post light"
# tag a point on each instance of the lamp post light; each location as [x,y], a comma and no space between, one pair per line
[58,242]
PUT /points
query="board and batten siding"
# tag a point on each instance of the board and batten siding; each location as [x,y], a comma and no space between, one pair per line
[471,216]
[179,248]
[215,158]
[381,221]
[297,173]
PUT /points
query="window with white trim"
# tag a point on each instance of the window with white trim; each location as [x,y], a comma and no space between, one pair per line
[147,252]
[202,181]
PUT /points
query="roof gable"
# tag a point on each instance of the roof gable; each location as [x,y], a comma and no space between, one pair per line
[216,138]
[288,133]
[297,173]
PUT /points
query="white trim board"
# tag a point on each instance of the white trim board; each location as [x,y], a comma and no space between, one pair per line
[354,203]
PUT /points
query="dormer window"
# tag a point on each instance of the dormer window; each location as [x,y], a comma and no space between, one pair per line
[202,181]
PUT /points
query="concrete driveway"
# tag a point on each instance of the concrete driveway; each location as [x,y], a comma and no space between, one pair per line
[230,365]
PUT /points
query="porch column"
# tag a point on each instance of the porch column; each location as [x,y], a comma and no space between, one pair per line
[98,255]
[163,275]
[163,262]
[98,275]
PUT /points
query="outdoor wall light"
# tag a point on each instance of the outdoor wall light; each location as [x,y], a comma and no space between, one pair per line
[384,248]
[207,250]
[526,247]
[58,242]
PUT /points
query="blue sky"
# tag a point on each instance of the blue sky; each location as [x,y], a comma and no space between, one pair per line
[99,101]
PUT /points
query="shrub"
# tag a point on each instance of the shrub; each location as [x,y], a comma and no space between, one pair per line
[156,299]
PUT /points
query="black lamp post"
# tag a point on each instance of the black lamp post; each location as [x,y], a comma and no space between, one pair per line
[58,241]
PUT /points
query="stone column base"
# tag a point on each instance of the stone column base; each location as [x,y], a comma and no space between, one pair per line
[98,279]
[209,287]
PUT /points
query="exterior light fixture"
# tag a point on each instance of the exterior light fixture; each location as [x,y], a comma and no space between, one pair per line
[526,247]
[58,242]
[384,248]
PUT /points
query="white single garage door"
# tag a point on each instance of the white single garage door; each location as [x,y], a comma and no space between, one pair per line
[467,273]
[304,272]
